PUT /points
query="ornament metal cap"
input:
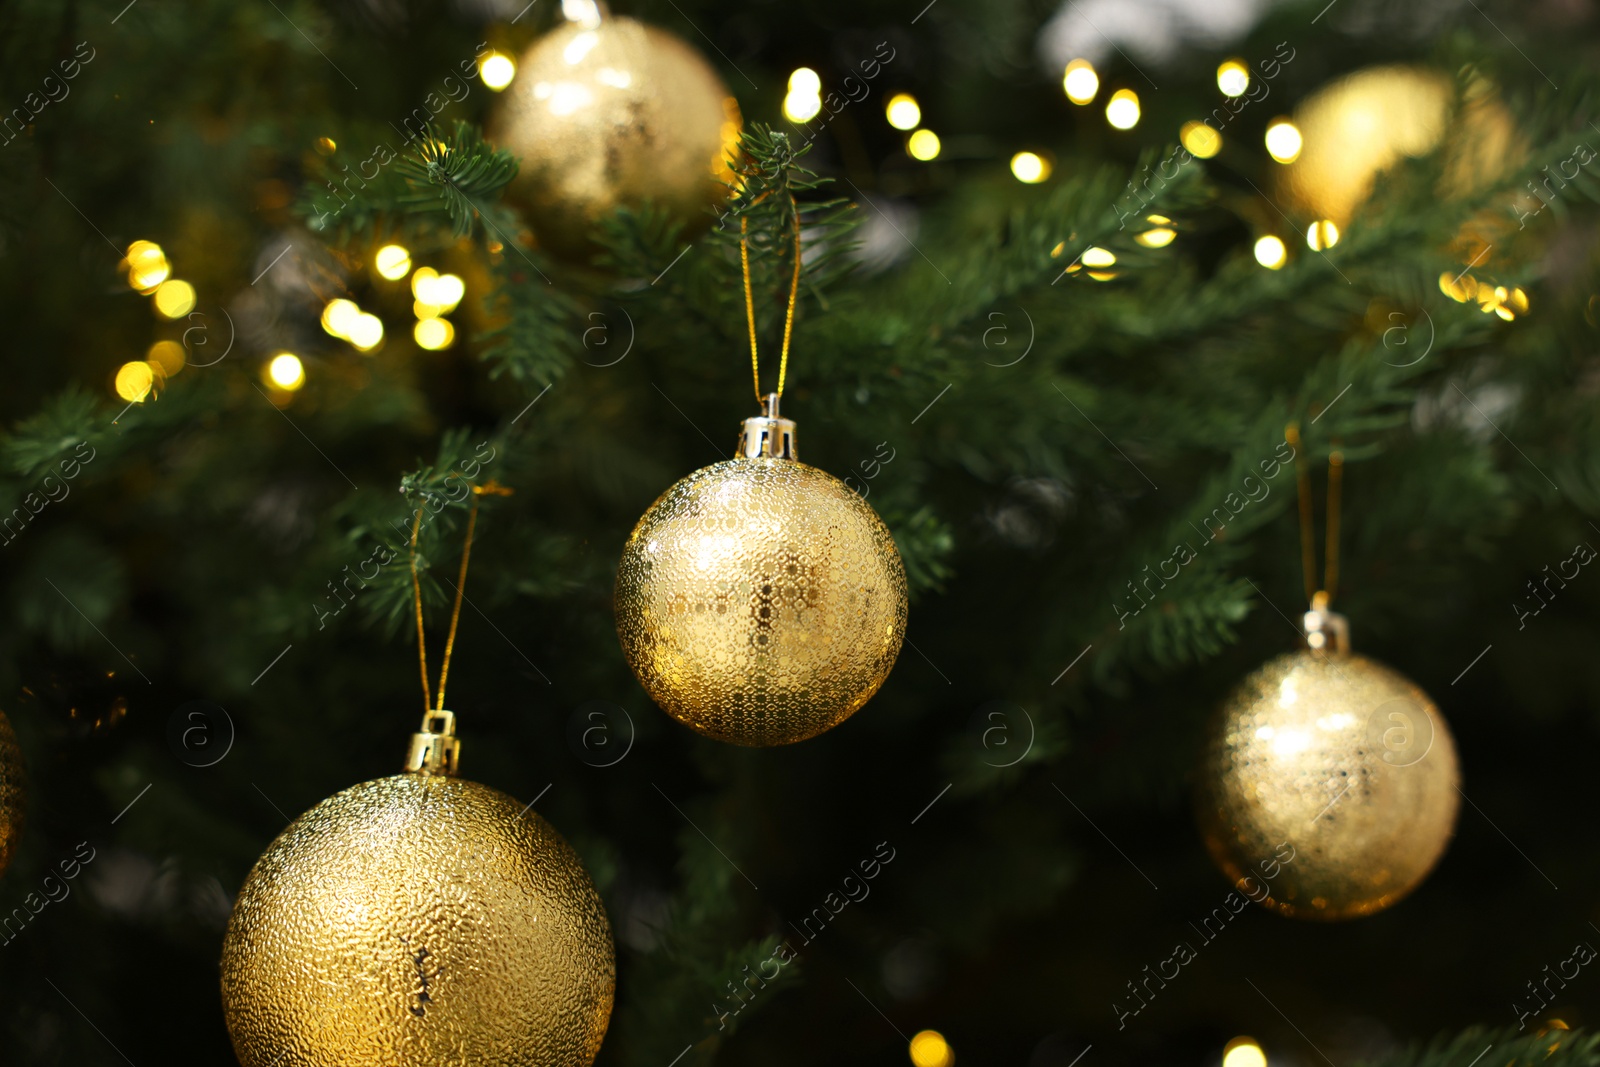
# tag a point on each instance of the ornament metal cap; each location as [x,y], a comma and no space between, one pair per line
[767,436]
[435,748]
[1324,629]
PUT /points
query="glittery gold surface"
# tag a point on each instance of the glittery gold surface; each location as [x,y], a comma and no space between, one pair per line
[418,921]
[615,115]
[760,601]
[1346,761]
[11,808]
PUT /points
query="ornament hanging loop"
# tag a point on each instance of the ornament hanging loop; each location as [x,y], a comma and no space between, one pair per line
[1324,629]
[768,401]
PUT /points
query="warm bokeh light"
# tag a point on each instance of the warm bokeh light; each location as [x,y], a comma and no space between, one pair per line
[339,316]
[805,81]
[1243,1052]
[174,299]
[1160,237]
[147,265]
[923,145]
[497,70]
[1080,81]
[1233,78]
[422,283]
[1322,235]
[1122,110]
[447,292]
[1271,252]
[929,1049]
[801,107]
[134,381]
[366,331]
[1095,256]
[1458,287]
[903,111]
[1200,140]
[434,334]
[168,355]
[1283,141]
[424,310]
[1030,168]
[286,371]
[392,262]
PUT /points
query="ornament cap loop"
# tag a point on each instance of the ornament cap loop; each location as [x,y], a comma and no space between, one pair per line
[1326,630]
[767,436]
[435,748]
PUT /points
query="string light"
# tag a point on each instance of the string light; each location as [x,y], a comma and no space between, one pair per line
[1271,252]
[1200,140]
[1030,168]
[339,316]
[923,144]
[174,299]
[497,70]
[903,111]
[1160,237]
[147,266]
[1283,141]
[1233,78]
[804,99]
[434,334]
[432,289]
[168,355]
[1243,1052]
[392,262]
[1095,256]
[286,372]
[366,331]
[1322,235]
[1080,81]
[928,1048]
[1122,110]
[134,381]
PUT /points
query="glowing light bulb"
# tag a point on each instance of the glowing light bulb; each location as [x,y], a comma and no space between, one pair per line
[1243,1052]
[1271,253]
[1122,110]
[903,111]
[286,371]
[1080,81]
[1029,168]
[801,107]
[928,1048]
[923,145]
[422,283]
[434,334]
[168,355]
[147,265]
[339,316]
[134,381]
[1095,256]
[1322,235]
[174,299]
[447,292]
[805,82]
[366,332]
[1283,141]
[1233,78]
[1200,140]
[392,262]
[1160,237]
[497,70]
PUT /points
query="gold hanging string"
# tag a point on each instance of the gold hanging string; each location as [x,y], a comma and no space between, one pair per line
[461,586]
[416,591]
[1308,548]
[750,301]
[491,489]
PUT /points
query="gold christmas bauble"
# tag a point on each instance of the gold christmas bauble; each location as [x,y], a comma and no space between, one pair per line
[760,601]
[613,113]
[11,799]
[417,921]
[1340,763]
[1366,122]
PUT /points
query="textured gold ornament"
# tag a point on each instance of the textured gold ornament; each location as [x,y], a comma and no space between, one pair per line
[612,112]
[761,601]
[418,921]
[11,792]
[1343,759]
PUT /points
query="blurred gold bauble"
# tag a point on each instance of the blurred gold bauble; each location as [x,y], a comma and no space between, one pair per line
[416,921]
[613,113]
[1345,761]
[761,601]
[10,792]
[1368,121]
